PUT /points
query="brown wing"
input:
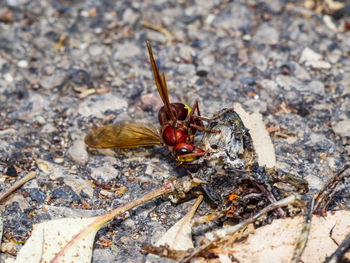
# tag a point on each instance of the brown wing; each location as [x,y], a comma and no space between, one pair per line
[123,134]
[160,83]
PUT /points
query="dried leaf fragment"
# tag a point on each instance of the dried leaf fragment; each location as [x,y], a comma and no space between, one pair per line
[275,242]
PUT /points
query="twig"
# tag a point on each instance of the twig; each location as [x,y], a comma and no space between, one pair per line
[159,29]
[326,194]
[303,236]
[18,184]
[101,220]
[221,233]
[338,254]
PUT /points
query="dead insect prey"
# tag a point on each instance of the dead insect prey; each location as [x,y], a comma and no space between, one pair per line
[224,165]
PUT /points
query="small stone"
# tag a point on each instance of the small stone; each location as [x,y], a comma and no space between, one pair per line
[57,78]
[186,52]
[208,60]
[11,171]
[78,185]
[36,195]
[126,50]
[288,82]
[97,105]
[268,84]
[316,87]
[209,19]
[275,5]
[40,119]
[259,61]
[31,107]
[130,16]
[345,82]
[342,128]
[152,101]
[22,64]
[313,59]
[334,56]
[256,105]
[77,152]
[107,172]
[266,35]
[58,160]
[299,72]
[186,69]
[96,50]
[8,77]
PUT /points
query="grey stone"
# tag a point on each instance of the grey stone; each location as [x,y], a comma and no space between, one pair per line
[259,60]
[342,128]
[313,59]
[97,105]
[77,152]
[266,35]
[345,82]
[126,50]
[299,72]
[288,82]
[79,185]
[57,78]
[254,105]
[316,87]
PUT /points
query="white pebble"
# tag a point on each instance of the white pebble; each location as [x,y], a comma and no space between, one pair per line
[77,152]
[22,64]
[8,77]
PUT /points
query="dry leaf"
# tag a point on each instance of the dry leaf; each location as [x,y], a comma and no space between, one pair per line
[179,236]
[275,242]
[48,238]
[71,239]
[261,138]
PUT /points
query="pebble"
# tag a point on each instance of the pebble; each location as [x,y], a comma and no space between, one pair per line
[275,5]
[208,60]
[36,195]
[345,82]
[334,56]
[259,60]
[316,87]
[186,69]
[59,160]
[299,72]
[130,16]
[77,152]
[153,101]
[127,50]
[96,50]
[22,64]
[107,172]
[79,185]
[313,59]
[186,52]
[288,82]
[266,35]
[342,128]
[255,105]
[8,77]
[97,105]
[240,19]
[57,78]
[33,106]
[40,119]
[268,84]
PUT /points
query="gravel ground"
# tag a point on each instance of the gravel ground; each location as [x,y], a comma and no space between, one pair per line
[66,65]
